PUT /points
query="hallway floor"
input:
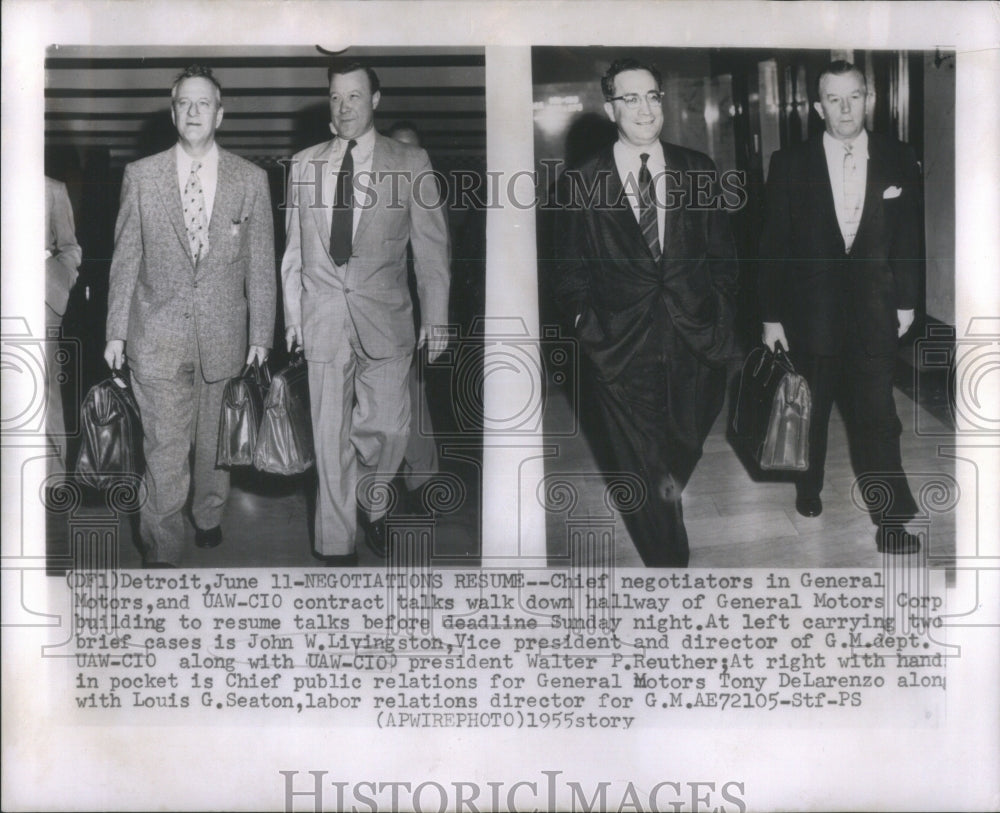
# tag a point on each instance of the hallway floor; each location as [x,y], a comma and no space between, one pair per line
[732,519]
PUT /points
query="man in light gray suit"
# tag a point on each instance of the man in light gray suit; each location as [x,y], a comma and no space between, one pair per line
[354,203]
[194,256]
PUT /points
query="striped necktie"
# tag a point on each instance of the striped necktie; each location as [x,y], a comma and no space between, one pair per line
[647,211]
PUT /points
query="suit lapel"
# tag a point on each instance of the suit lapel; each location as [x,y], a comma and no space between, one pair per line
[616,201]
[874,182]
[819,174]
[381,163]
[170,197]
[673,220]
[228,189]
[322,214]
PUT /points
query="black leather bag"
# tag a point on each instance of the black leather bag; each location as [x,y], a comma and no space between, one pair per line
[111,434]
[773,408]
[285,440]
[241,415]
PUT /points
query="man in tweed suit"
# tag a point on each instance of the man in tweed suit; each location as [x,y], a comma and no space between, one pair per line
[354,203]
[194,256]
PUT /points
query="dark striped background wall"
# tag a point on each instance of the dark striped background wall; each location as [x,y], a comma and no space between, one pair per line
[275,99]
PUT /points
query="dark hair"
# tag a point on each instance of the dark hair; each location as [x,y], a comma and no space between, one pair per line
[350,66]
[622,65]
[193,72]
[839,68]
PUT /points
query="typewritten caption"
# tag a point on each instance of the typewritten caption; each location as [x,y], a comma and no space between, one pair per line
[488,649]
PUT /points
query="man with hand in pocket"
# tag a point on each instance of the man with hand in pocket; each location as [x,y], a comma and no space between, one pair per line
[840,270]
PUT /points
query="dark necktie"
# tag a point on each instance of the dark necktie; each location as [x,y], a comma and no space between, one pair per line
[647,211]
[342,224]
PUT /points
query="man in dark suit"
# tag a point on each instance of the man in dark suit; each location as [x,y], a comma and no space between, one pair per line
[646,271]
[354,204]
[194,256]
[839,281]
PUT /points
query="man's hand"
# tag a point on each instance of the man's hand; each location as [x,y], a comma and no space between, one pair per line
[293,338]
[114,354]
[905,319]
[257,352]
[774,333]
[436,339]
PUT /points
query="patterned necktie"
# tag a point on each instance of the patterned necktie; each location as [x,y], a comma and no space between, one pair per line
[342,223]
[195,217]
[647,211]
[852,196]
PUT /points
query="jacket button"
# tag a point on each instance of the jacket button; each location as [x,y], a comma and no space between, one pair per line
[347,290]
[187,315]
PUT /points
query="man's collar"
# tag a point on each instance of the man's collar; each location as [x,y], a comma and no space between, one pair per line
[654,150]
[209,159]
[859,144]
[363,144]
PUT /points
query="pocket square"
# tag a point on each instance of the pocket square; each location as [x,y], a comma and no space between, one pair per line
[892,192]
[234,227]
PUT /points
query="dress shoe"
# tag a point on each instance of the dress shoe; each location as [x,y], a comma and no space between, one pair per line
[338,560]
[159,565]
[895,540]
[211,538]
[809,506]
[377,536]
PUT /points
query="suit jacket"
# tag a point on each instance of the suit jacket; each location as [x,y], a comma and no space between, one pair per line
[808,282]
[157,293]
[371,288]
[63,254]
[606,273]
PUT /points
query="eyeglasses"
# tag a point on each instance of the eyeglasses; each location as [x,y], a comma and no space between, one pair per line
[654,99]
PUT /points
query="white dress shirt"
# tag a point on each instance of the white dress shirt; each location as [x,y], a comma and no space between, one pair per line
[848,192]
[208,174]
[628,163]
[362,153]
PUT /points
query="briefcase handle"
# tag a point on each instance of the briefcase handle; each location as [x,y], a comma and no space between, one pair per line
[781,357]
[261,373]
[120,376]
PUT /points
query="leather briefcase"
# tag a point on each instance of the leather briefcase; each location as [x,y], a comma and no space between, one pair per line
[285,440]
[111,434]
[241,415]
[773,407]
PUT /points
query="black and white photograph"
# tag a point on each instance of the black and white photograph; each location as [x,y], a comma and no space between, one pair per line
[487,406]
[675,327]
[219,479]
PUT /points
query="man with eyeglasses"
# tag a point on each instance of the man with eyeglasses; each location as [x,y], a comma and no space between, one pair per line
[192,284]
[354,204]
[646,271]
